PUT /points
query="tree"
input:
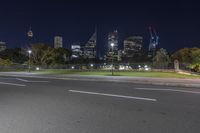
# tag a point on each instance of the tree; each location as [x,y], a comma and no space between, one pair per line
[190,57]
[161,60]
[41,54]
[185,55]
[5,62]
[60,56]
[16,55]
[195,65]
[195,56]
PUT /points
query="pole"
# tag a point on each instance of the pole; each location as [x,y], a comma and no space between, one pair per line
[29,62]
[112,61]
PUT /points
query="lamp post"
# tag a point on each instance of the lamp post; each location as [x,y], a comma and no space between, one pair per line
[29,62]
[112,45]
[92,65]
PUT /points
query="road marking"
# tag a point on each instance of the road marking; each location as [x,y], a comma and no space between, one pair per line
[24,80]
[113,95]
[173,90]
[6,78]
[5,83]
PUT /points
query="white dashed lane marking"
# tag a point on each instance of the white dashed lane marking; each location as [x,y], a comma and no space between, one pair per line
[29,81]
[13,84]
[113,95]
[172,90]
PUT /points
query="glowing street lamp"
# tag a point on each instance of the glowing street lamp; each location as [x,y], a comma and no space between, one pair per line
[91,65]
[29,62]
[112,45]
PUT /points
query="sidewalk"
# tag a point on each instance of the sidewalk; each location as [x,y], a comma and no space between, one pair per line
[123,79]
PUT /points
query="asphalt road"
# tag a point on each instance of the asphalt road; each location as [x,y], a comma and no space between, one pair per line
[31,105]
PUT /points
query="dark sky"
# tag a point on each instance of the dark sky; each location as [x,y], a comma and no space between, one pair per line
[177,22]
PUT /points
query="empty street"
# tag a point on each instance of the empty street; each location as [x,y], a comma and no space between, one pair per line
[31,105]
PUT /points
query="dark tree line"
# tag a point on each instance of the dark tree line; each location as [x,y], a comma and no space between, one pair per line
[44,55]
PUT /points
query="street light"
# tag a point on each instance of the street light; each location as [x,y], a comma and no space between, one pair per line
[29,62]
[92,65]
[112,45]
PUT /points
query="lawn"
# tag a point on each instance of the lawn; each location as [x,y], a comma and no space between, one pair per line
[128,73]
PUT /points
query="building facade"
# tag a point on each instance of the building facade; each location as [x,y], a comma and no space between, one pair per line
[90,47]
[58,42]
[133,46]
[112,48]
[2,46]
[76,50]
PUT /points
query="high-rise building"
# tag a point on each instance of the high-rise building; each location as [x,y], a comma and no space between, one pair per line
[119,57]
[2,46]
[30,36]
[133,46]
[90,47]
[58,42]
[76,50]
[112,49]
[30,33]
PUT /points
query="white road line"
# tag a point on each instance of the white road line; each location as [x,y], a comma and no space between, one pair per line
[5,83]
[113,95]
[6,78]
[173,90]
[24,80]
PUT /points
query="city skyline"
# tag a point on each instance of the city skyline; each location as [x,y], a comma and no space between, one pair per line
[78,25]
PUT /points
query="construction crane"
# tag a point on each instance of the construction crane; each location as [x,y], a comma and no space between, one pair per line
[157,37]
[154,41]
[151,38]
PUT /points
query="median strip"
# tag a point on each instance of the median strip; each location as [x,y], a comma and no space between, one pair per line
[112,95]
[5,83]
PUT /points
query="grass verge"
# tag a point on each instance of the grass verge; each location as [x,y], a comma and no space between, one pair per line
[120,73]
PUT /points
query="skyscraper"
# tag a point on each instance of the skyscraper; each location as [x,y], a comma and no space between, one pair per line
[30,36]
[90,47]
[2,46]
[133,46]
[112,50]
[58,42]
[30,33]
[76,50]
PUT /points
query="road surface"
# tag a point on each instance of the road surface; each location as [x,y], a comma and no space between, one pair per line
[31,105]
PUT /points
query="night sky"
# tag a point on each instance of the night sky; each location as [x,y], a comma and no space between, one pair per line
[177,22]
